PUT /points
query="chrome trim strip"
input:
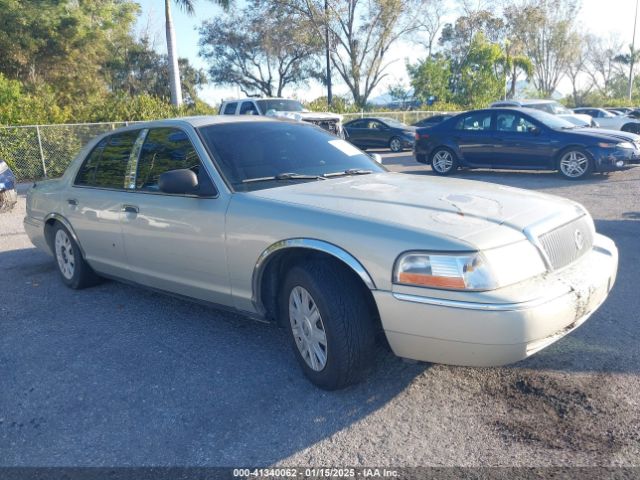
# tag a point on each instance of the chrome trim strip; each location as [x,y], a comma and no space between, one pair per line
[488,307]
[308,243]
[65,222]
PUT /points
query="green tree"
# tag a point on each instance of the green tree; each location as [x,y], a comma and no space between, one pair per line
[431,77]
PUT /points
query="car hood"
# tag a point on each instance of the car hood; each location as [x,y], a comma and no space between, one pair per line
[307,116]
[482,214]
[617,134]
[577,118]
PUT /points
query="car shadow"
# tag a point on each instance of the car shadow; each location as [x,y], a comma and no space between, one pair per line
[119,375]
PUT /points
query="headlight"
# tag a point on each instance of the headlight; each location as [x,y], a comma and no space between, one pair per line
[626,145]
[488,270]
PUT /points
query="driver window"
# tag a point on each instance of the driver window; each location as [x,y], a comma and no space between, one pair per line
[512,122]
[373,125]
[165,149]
[248,108]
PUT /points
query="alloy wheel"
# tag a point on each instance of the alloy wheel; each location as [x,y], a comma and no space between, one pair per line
[442,161]
[574,164]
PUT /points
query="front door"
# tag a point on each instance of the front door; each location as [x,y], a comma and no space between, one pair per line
[175,242]
[93,206]
[520,143]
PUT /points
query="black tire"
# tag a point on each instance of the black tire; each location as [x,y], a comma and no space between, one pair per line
[395,144]
[441,170]
[581,154]
[82,275]
[345,317]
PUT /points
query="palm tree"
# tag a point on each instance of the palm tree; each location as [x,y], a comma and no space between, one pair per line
[172,53]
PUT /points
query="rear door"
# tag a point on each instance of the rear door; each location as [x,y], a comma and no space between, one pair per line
[175,242]
[520,142]
[473,134]
[94,203]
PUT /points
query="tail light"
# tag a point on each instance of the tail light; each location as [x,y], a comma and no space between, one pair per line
[421,135]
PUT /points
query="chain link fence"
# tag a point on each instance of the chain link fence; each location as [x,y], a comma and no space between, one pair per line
[44,151]
[409,117]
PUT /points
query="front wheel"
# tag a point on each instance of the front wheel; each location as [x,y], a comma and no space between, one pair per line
[575,164]
[329,323]
[444,161]
[395,144]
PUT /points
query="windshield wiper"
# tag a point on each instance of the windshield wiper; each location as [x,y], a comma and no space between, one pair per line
[350,171]
[284,177]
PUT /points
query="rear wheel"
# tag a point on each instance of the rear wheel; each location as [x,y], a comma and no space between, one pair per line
[575,164]
[395,144]
[444,161]
[74,270]
[329,323]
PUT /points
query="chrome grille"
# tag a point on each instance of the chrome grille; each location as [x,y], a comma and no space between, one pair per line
[565,244]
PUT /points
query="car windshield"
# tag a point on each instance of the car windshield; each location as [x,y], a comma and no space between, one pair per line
[554,108]
[394,123]
[257,155]
[279,105]
[551,121]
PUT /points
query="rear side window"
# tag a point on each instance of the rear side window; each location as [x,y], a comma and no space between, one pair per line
[230,108]
[106,165]
[475,121]
[166,149]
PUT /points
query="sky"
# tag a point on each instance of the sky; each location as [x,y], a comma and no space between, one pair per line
[600,17]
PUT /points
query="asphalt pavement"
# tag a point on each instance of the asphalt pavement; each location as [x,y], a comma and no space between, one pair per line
[120,376]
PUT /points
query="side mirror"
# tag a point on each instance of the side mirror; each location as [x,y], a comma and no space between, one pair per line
[377,158]
[178,181]
[535,130]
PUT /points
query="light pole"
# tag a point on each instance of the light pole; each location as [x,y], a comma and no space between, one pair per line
[632,57]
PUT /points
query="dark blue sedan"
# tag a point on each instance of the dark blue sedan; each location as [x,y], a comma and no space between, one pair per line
[523,139]
[380,132]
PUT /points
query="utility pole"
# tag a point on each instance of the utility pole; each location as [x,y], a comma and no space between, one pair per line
[632,57]
[327,51]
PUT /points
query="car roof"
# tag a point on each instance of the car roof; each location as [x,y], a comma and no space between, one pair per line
[257,98]
[195,121]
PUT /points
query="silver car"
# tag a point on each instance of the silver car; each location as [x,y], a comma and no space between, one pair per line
[284,222]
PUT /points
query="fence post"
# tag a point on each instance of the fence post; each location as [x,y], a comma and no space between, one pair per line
[44,167]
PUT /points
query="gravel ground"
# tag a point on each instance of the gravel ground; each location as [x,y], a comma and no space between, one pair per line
[116,375]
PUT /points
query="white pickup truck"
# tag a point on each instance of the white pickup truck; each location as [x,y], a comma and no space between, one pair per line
[283,108]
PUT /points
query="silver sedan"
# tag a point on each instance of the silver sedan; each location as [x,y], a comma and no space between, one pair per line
[284,222]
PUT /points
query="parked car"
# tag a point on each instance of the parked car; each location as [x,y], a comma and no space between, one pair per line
[523,139]
[8,195]
[433,120]
[283,108]
[380,132]
[610,121]
[552,107]
[619,110]
[284,222]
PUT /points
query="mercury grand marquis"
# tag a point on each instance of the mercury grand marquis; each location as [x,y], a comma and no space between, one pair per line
[285,222]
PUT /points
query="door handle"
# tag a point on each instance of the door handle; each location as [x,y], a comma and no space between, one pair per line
[72,201]
[130,209]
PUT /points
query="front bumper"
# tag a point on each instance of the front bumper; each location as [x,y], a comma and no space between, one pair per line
[489,334]
[608,160]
